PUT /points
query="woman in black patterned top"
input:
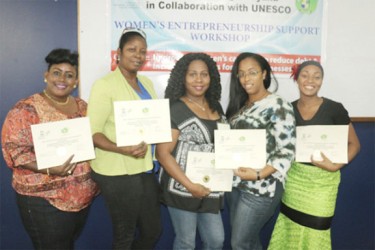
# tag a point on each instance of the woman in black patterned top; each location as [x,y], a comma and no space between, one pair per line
[256,193]
[194,92]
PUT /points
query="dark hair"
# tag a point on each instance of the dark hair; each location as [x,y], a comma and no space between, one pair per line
[58,56]
[176,82]
[127,36]
[237,94]
[296,70]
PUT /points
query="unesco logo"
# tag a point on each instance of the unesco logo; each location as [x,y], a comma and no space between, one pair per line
[306,6]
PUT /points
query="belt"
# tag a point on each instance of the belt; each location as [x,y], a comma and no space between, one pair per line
[307,220]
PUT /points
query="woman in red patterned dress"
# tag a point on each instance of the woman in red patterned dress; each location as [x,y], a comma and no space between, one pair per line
[53,202]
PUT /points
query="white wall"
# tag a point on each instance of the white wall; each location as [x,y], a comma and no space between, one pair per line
[350,56]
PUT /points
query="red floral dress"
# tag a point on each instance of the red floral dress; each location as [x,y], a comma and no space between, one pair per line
[69,193]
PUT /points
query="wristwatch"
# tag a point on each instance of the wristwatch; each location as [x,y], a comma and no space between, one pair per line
[258,175]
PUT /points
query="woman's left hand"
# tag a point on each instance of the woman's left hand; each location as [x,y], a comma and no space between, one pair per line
[325,163]
[246,174]
[66,169]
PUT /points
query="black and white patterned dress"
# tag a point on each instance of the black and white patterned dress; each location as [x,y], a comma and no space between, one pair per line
[196,134]
[276,116]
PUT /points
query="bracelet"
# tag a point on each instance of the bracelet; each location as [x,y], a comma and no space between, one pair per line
[258,175]
[48,171]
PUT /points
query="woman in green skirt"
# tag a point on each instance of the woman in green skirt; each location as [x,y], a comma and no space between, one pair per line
[309,200]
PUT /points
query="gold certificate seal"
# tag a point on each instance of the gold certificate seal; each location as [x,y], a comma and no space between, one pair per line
[206,179]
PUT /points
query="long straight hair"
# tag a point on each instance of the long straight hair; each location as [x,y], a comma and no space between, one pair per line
[237,94]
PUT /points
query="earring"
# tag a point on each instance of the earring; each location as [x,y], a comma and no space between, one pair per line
[74,86]
[45,80]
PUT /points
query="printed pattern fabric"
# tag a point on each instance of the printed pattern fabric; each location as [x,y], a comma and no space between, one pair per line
[68,193]
[276,116]
[195,135]
[310,190]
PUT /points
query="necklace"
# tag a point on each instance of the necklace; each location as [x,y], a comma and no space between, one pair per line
[196,103]
[53,100]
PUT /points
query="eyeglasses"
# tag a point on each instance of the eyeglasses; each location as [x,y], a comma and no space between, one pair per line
[136,30]
[251,74]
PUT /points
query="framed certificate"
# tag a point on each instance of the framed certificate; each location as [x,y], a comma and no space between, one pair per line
[240,148]
[200,168]
[332,140]
[55,142]
[142,120]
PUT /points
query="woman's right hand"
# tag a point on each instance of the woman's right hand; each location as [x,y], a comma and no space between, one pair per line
[170,165]
[65,169]
[199,191]
[137,151]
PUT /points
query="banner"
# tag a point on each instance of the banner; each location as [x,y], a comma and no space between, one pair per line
[285,32]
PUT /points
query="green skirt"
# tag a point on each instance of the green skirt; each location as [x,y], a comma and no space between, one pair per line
[312,191]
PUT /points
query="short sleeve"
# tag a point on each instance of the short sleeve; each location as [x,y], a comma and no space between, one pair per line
[341,115]
[175,109]
[17,142]
[99,106]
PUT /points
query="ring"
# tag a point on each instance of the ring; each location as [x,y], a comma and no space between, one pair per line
[69,172]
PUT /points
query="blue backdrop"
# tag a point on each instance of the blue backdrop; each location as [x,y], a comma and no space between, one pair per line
[29,29]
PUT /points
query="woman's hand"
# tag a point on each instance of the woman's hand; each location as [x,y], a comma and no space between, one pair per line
[353,149]
[246,174]
[198,191]
[326,163]
[65,169]
[250,174]
[137,151]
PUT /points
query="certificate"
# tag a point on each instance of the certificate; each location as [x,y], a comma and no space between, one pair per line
[223,126]
[142,120]
[55,142]
[332,140]
[240,148]
[200,168]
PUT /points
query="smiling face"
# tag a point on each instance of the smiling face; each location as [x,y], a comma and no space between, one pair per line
[251,76]
[132,55]
[61,80]
[197,79]
[310,80]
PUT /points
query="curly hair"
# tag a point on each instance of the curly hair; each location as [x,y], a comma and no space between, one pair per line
[176,82]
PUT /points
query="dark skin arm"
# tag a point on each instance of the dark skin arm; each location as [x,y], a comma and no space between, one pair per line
[65,169]
[136,151]
[250,174]
[166,159]
[353,149]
